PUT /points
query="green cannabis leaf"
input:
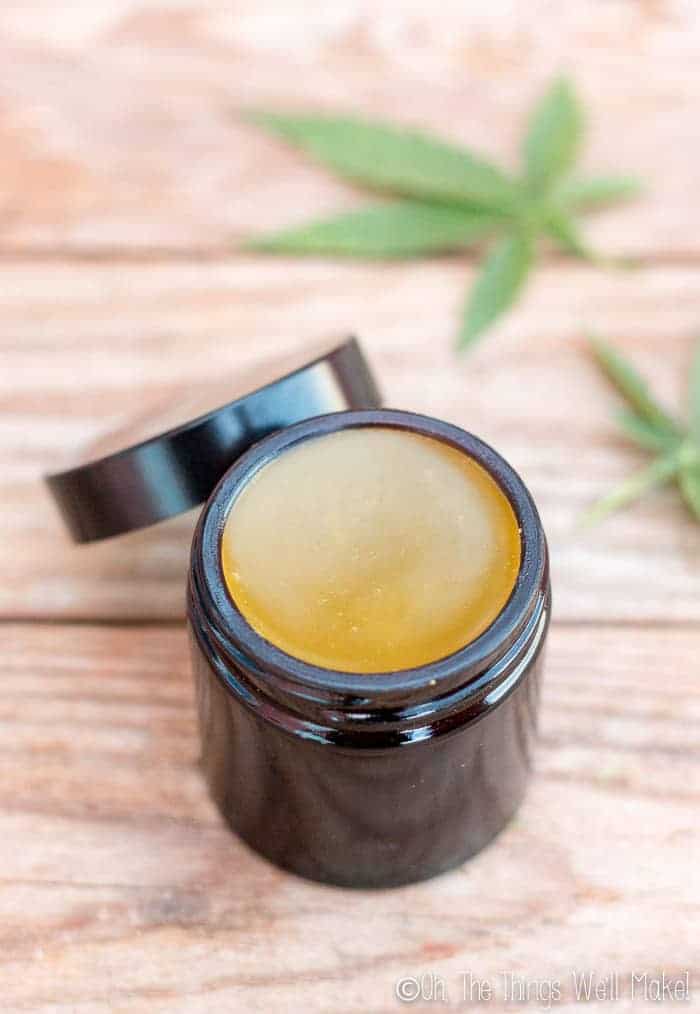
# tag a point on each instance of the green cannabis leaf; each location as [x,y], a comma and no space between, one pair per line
[497,287]
[553,139]
[582,195]
[383,157]
[447,198]
[396,229]
[677,448]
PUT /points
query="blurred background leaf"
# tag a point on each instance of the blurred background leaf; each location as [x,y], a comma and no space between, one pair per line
[456,198]
[647,423]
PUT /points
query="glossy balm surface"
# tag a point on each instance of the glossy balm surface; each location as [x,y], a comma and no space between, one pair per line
[371,549]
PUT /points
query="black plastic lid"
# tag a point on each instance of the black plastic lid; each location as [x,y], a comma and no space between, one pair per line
[176,470]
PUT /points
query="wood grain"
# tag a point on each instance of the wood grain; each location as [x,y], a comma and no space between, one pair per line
[121,129]
[127,180]
[121,890]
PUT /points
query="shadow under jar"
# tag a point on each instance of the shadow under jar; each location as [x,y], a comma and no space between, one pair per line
[366,779]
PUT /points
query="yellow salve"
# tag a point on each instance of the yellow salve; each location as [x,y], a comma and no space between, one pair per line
[371,549]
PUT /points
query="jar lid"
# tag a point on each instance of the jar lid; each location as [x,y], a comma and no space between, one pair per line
[156,478]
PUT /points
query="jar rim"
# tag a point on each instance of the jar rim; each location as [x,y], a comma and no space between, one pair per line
[382,689]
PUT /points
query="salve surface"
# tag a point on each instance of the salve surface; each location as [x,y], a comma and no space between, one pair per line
[371,549]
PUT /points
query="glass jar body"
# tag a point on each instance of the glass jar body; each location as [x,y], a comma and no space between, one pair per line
[357,817]
[377,780]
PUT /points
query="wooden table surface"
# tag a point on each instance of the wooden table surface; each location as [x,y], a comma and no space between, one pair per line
[126,180]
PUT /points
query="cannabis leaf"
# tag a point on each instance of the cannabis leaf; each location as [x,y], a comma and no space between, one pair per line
[398,229]
[581,195]
[447,198]
[553,138]
[403,162]
[677,448]
[498,285]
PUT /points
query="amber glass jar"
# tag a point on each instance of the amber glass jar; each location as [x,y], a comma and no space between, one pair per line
[366,780]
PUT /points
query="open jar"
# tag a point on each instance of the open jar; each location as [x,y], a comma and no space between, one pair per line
[358,778]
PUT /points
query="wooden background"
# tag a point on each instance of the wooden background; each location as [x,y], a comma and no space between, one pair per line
[126,180]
